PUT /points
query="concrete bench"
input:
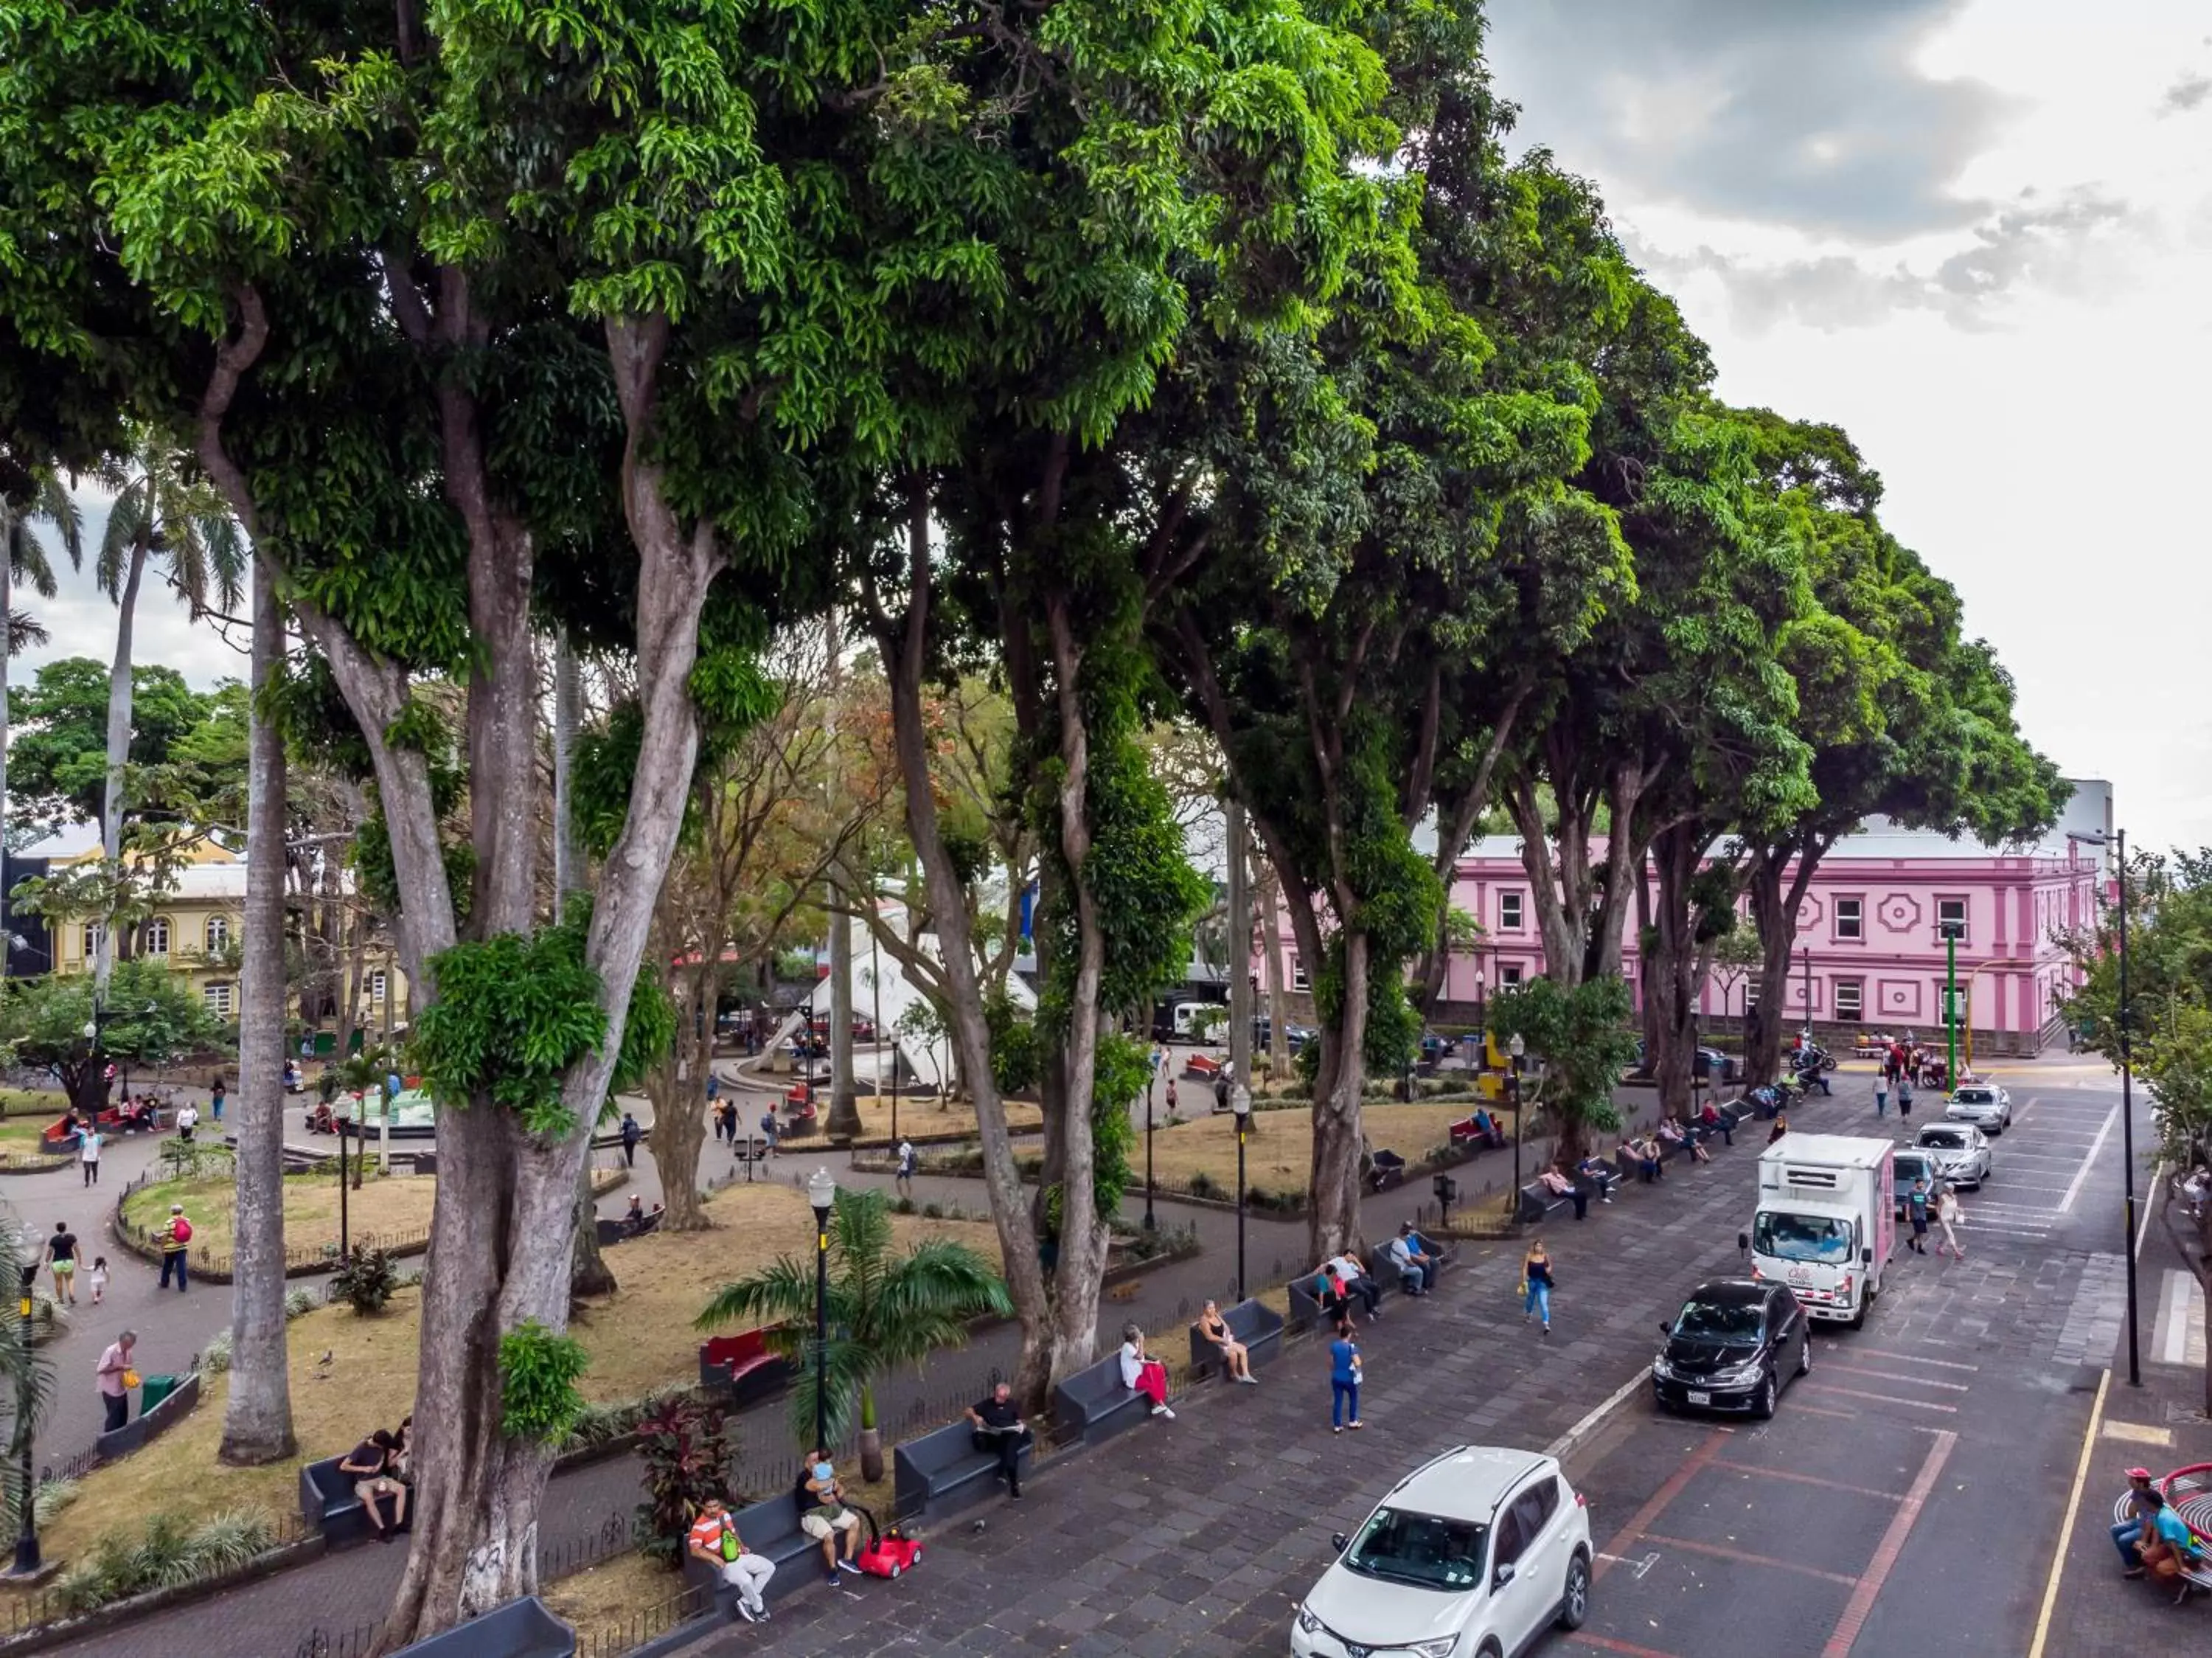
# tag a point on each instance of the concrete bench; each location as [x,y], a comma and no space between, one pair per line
[769,1529]
[743,1366]
[520,1629]
[943,1471]
[1093,1404]
[1253,1323]
[327,1500]
[152,1424]
[1537,1202]
[1384,1270]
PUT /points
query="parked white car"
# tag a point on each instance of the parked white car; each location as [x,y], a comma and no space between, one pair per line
[1961,1151]
[1470,1556]
[1985,1105]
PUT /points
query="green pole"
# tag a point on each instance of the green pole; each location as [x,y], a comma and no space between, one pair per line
[1950,1006]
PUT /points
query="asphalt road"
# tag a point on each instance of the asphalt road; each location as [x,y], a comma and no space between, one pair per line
[1911,1490]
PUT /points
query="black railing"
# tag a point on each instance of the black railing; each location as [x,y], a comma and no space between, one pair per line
[633,1632]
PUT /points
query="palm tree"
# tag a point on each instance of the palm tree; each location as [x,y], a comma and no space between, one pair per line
[157,510]
[26,1377]
[23,557]
[885,1311]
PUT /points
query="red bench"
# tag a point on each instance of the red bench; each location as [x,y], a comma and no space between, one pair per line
[744,1367]
[1201,1066]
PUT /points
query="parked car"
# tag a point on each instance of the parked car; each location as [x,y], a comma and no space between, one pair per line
[1470,1555]
[1731,1348]
[1962,1152]
[1985,1105]
[1297,1035]
[1911,1163]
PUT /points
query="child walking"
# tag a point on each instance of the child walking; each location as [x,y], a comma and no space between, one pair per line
[1344,1372]
[98,1279]
[1947,1215]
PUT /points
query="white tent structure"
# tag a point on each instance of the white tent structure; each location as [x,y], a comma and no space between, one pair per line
[883,992]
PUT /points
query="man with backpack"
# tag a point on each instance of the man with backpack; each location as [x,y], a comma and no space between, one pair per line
[176,1239]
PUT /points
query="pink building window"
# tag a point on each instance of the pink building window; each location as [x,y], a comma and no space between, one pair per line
[1298,975]
[1851,918]
[1510,973]
[1851,998]
[1951,919]
[1510,912]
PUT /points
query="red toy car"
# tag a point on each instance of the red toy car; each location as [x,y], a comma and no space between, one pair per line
[889,1554]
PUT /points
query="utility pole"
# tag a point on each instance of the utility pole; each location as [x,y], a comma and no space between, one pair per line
[1951,1007]
[1240,951]
[2128,1122]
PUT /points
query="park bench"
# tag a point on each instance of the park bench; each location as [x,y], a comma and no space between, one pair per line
[150,1423]
[742,1367]
[2200,1575]
[520,1629]
[1094,1404]
[1384,1270]
[1256,1323]
[1464,1132]
[1385,1169]
[769,1529]
[327,1500]
[943,1471]
[1202,1066]
[1538,1201]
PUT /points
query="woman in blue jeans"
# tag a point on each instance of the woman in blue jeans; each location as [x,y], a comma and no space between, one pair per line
[1536,1273]
[1344,1380]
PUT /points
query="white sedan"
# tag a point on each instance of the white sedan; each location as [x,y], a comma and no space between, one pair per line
[1959,1150]
[1985,1105]
[1470,1556]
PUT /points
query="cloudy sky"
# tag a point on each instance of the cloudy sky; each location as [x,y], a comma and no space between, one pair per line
[1979,235]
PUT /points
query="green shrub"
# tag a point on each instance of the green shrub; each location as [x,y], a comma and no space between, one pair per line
[537,1372]
[167,1554]
[1203,1185]
[365,1281]
[933,1211]
[215,1357]
[298,1303]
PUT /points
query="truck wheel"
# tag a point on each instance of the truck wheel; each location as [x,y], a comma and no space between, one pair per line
[1858,1318]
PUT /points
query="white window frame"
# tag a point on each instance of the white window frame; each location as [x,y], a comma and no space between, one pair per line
[93,929]
[1966,919]
[1851,928]
[377,984]
[1854,990]
[217,933]
[1509,974]
[1512,913]
[1298,980]
[218,997]
[157,937]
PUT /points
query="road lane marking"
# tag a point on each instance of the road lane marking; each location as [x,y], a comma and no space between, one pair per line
[1814,1410]
[1744,1557]
[1606,1643]
[2082,1173]
[1655,1505]
[1893,1544]
[1559,1447]
[1639,1567]
[2128,1433]
[2066,1519]
[1797,1478]
[1912,1358]
[1823,1389]
[1891,1375]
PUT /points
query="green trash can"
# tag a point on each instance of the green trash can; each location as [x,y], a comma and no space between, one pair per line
[152,1390]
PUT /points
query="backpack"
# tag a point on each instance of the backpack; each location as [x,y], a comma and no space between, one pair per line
[181,1229]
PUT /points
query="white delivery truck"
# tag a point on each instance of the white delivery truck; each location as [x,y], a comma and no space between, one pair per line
[1826,1222]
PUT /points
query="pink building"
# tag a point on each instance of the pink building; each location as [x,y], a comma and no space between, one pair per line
[1870,935]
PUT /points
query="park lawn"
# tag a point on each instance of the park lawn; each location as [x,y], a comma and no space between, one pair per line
[920,1116]
[39,1107]
[1279,1151]
[639,1338]
[386,1206]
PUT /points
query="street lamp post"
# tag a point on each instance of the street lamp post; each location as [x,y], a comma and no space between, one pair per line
[2127,1100]
[1151,1082]
[821,1193]
[27,1540]
[1516,1049]
[1240,1103]
[1481,1026]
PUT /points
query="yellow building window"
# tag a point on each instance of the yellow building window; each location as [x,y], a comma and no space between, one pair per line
[218,933]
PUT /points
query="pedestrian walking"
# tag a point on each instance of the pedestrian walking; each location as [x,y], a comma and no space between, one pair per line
[1881,1095]
[216,1094]
[98,1279]
[906,1163]
[1536,1284]
[1916,1209]
[1345,1369]
[117,1378]
[1171,1099]
[631,1134]
[1948,1214]
[188,1119]
[176,1239]
[87,1154]
[61,1259]
[1905,1099]
[768,1130]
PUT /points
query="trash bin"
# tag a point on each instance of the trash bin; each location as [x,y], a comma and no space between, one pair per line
[153,1390]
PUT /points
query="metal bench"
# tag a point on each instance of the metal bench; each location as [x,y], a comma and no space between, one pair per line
[327,1500]
[1384,1270]
[1093,1404]
[2200,1574]
[943,1471]
[743,1366]
[1253,1323]
[520,1629]
[1537,1201]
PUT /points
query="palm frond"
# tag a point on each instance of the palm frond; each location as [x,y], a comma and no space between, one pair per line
[25,632]
[780,1293]
[227,556]
[130,516]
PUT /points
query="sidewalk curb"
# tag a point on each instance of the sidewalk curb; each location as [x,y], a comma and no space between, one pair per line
[1572,1440]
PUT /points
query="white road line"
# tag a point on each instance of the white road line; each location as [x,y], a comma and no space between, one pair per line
[1892,1375]
[2082,1174]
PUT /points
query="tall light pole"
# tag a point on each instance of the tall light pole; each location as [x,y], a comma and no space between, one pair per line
[1951,1003]
[821,1193]
[1807,952]
[27,1540]
[2119,841]
[1240,1103]
[1151,1082]
[1516,1049]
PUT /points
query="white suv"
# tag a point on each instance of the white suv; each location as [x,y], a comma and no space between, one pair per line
[1468,1557]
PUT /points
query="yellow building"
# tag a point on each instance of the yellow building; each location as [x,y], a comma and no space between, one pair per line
[195,926]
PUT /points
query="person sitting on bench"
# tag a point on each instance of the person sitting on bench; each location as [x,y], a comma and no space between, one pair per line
[1352,1280]
[1601,1173]
[823,1515]
[1649,1161]
[1557,1181]
[2168,1546]
[370,1465]
[1713,1119]
[1486,1127]
[1675,1135]
[995,1427]
[1417,1268]
[1142,1374]
[1235,1357]
[714,1539]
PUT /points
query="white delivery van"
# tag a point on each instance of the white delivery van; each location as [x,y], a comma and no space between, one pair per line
[1826,1222]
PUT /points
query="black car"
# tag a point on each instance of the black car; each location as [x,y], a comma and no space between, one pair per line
[1731,1347]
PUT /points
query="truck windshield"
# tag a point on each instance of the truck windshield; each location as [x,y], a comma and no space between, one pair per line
[1818,1239]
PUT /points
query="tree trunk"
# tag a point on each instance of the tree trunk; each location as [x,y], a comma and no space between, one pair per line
[844,1115]
[679,1111]
[118,748]
[7,533]
[257,1424]
[1279,998]
[588,1271]
[1776,904]
[1332,1197]
[1669,976]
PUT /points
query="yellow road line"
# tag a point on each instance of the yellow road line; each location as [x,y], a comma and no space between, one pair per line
[2066,1521]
